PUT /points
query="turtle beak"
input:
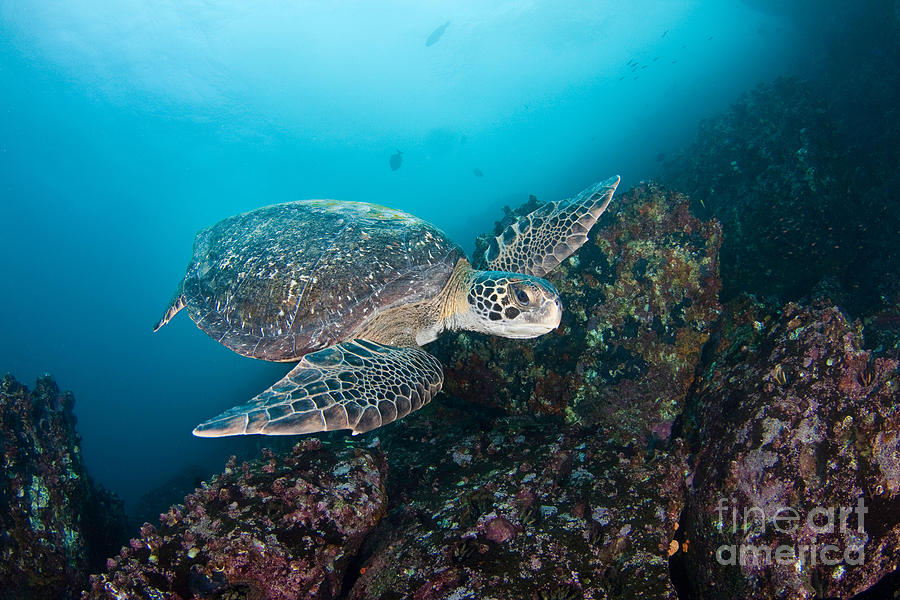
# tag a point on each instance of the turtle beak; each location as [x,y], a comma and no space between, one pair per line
[556,312]
[553,314]
[544,321]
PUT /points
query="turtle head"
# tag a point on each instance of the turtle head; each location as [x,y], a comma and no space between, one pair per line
[512,305]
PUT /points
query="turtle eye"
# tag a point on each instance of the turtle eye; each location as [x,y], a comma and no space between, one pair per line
[521,296]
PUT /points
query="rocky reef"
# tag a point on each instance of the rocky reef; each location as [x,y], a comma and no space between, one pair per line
[787,415]
[769,169]
[520,508]
[639,299]
[598,462]
[659,444]
[799,199]
[171,491]
[794,489]
[882,329]
[55,523]
[280,527]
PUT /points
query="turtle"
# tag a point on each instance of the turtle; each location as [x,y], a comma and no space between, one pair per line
[352,291]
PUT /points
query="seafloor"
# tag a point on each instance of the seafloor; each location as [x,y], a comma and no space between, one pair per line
[729,348]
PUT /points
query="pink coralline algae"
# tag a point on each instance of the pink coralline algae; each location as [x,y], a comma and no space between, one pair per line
[277,528]
[795,429]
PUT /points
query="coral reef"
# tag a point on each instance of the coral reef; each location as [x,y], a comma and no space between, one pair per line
[520,508]
[55,523]
[281,527]
[796,431]
[639,298]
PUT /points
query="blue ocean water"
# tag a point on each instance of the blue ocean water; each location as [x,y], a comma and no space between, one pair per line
[125,127]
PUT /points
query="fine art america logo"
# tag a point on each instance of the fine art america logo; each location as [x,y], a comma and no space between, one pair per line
[820,520]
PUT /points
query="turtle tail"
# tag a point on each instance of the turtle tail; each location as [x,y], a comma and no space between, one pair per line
[177,304]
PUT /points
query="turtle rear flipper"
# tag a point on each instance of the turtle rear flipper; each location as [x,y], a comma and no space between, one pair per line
[536,243]
[357,385]
[176,305]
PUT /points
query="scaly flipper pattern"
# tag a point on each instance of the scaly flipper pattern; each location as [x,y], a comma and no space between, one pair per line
[357,385]
[538,242]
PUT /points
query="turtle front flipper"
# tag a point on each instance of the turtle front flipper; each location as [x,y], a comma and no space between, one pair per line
[536,243]
[357,385]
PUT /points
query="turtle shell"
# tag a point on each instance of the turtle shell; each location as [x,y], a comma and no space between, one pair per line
[281,281]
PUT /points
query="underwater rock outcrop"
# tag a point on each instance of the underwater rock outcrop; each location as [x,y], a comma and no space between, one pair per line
[799,199]
[639,299]
[520,508]
[769,169]
[796,434]
[55,523]
[281,527]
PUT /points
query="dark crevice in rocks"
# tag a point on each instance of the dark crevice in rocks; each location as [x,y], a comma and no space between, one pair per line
[679,573]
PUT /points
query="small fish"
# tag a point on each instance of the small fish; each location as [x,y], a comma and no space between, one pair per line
[664,33]
[396,160]
[477,172]
[436,34]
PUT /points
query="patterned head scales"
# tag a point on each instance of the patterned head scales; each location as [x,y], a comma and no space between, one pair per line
[513,305]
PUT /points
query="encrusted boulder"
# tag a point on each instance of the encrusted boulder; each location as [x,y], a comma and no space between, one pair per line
[521,508]
[281,527]
[639,299]
[54,521]
[795,486]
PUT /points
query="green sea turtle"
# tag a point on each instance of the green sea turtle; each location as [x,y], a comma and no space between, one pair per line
[353,291]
